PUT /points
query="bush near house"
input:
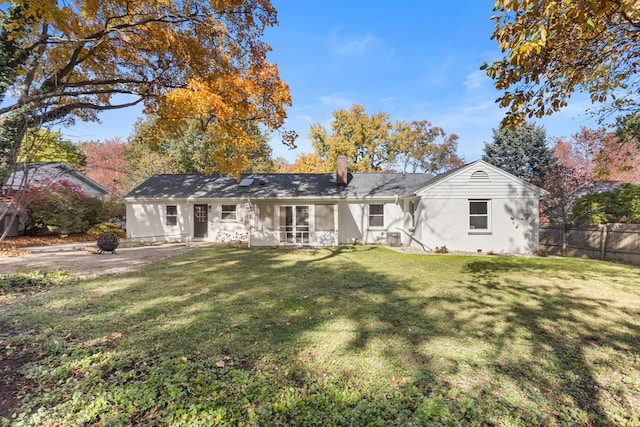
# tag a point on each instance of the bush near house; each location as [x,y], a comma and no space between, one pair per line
[619,206]
[62,208]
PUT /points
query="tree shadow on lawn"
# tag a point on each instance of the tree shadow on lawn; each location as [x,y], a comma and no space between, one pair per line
[331,313]
[565,328]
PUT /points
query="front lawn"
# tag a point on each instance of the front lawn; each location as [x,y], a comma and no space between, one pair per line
[344,336]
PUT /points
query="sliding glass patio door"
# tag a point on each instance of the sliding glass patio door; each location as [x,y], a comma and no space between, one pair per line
[294,224]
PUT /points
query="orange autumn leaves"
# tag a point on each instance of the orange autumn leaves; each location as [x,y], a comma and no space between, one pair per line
[185,60]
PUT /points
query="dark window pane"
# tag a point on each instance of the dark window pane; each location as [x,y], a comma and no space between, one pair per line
[228,211]
[376,209]
[478,222]
[376,221]
[478,208]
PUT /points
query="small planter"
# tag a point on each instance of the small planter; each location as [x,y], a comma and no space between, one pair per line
[108,242]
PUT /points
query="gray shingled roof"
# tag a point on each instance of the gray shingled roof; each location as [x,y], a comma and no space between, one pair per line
[40,173]
[279,186]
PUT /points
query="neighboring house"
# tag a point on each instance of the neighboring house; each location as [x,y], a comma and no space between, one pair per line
[477,207]
[37,176]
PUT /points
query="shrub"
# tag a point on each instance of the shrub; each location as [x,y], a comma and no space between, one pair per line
[62,208]
[107,227]
[115,209]
[621,205]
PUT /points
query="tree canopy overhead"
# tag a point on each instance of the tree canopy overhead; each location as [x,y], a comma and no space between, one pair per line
[70,59]
[554,48]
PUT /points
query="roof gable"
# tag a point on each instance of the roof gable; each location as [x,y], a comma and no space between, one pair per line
[478,166]
[40,174]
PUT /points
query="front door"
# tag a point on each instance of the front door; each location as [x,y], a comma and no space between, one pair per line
[201,221]
[294,224]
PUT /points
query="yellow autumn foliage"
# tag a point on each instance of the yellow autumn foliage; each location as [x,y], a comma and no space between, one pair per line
[181,58]
[554,48]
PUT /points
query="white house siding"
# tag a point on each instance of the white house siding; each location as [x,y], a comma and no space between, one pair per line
[228,230]
[264,230]
[146,221]
[513,213]
[354,222]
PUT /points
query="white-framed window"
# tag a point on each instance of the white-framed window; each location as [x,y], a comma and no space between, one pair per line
[229,212]
[171,216]
[376,215]
[479,219]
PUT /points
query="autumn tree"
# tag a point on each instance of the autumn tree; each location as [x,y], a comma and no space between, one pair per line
[141,161]
[422,146]
[628,128]
[600,155]
[366,140]
[71,60]
[40,145]
[193,148]
[310,163]
[554,48]
[372,143]
[563,184]
[105,163]
[522,151]
[281,165]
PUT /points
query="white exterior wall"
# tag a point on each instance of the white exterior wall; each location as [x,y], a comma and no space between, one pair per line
[228,230]
[354,222]
[146,221]
[513,213]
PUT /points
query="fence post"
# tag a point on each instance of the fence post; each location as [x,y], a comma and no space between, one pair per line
[563,239]
[604,234]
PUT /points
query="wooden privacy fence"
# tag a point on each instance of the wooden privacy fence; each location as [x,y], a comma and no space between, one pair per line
[610,242]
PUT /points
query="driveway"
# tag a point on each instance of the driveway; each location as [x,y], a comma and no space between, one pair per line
[81,259]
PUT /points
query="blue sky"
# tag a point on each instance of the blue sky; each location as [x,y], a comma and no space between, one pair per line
[415,60]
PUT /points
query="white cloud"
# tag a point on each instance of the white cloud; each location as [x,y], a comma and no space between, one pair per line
[387,101]
[336,101]
[476,80]
[354,45]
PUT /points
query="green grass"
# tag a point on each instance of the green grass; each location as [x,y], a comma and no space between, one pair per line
[343,336]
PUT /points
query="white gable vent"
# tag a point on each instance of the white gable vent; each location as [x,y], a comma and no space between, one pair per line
[479,176]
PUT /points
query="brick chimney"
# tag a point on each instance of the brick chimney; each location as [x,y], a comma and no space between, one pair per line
[341,170]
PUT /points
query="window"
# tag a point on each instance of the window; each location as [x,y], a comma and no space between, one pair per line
[479,215]
[294,224]
[171,218]
[376,215]
[229,212]
[325,218]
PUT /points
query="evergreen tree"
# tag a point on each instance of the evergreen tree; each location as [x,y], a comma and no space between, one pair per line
[522,152]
